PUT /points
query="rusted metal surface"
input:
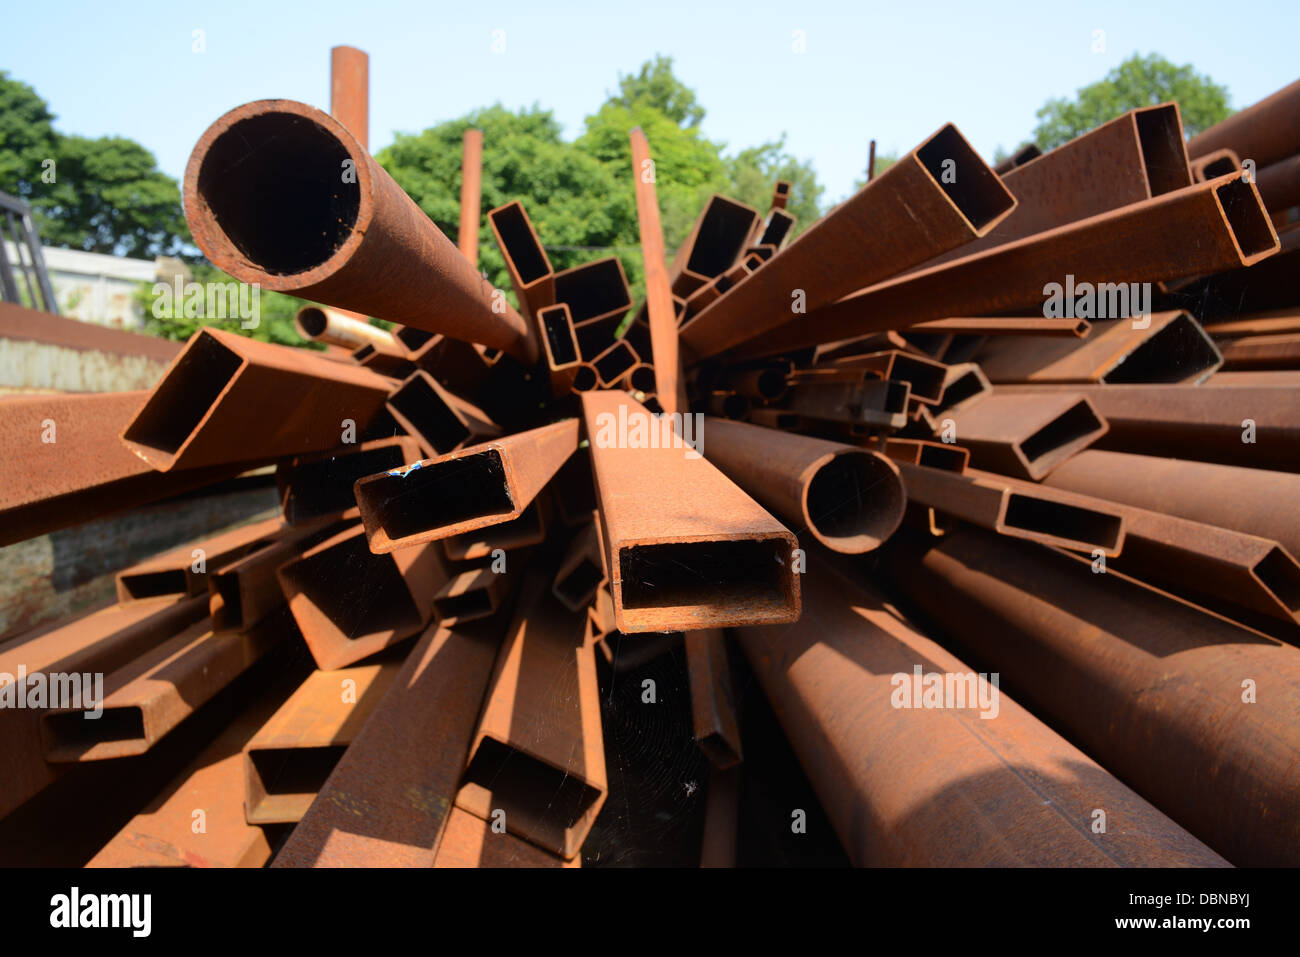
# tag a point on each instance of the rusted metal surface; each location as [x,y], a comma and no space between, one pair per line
[918,786]
[334,328]
[320,486]
[1026,436]
[1275,323]
[1279,183]
[850,499]
[469,841]
[1006,326]
[184,570]
[721,813]
[211,406]
[1019,158]
[167,833]
[713,245]
[538,758]
[529,529]
[1265,132]
[439,420]
[1141,242]
[849,396]
[614,363]
[1243,499]
[594,291]
[471,188]
[938,455]
[64,463]
[1163,347]
[265,202]
[1130,159]
[469,596]
[350,91]
[1164,711]
[1216,163]
[1252,426]
[99,642]
[925,378]
[245,591]
[471,489]
[387,802]
[391,363]
[1262,352]
[526,260]
[293,753]
[1019,509]
[713,704]
[560,344]
[581,573]
[659,293]
[686,549]
[350,603]
[145,699]
[874,231]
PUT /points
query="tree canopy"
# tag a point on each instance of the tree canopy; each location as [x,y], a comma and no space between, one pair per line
[1138,81]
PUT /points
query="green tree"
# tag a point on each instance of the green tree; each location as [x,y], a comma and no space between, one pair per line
[27,137]
[754,171]
[1138,81]
[656,85]
[110,197]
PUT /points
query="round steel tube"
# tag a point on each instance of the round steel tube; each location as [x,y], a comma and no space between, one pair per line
[321,324]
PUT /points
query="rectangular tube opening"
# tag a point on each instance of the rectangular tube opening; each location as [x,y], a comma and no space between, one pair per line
[1164,157]
[181,400]
[540,794]
[467,606]
[419,404]
[965,386]
[360,593]
[1247,218]
[294,772]
[171,581]
[1180,351]
[439,495]
[778,226]
[1030,514]
[949,458]
[520,243]
[974,189]
[1279,574]
[615,361]
[560,340]
[925,378]
[1074,425]
[71,731]
[324,487]
[580,584]
[724,228]
[413,338]
[727,577]
[528,529]
[593,289]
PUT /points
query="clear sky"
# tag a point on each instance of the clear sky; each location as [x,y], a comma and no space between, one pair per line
[895,71]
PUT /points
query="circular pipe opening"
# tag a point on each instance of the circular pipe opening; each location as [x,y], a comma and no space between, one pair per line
[585,379]
[772,384]
[312,321]
[642,378]
[854,501]
[274,184]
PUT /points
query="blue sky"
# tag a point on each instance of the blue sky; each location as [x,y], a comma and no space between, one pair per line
[895,71]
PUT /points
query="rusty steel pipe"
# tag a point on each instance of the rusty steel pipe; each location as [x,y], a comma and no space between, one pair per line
[686,548]
[185,570]
[469,841]
[1279,184]
[147,698]
[462,491]
[1253,426]
[529,267]
[1003,326]
[364,815]
[924,786]
[528,529]
[280,194]
[925,377]
[658,286]
[350,91]
[900,218]
[1026,436]
[471,190]
[294,752]
[1262,352]
[1216,163]
[1018,509]
[247,590]
[1164,347]
[1148,241]
[318,487]
[1157,690]
[850,499]
[1267,132]
[439,420]
[1243,499]
[581,572]
[210,407]
[713,704]
[469,596]
[350,603]
[538,755]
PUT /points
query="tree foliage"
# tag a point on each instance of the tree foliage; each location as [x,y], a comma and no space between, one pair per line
[1138,81]
[105,195]
[656,85]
